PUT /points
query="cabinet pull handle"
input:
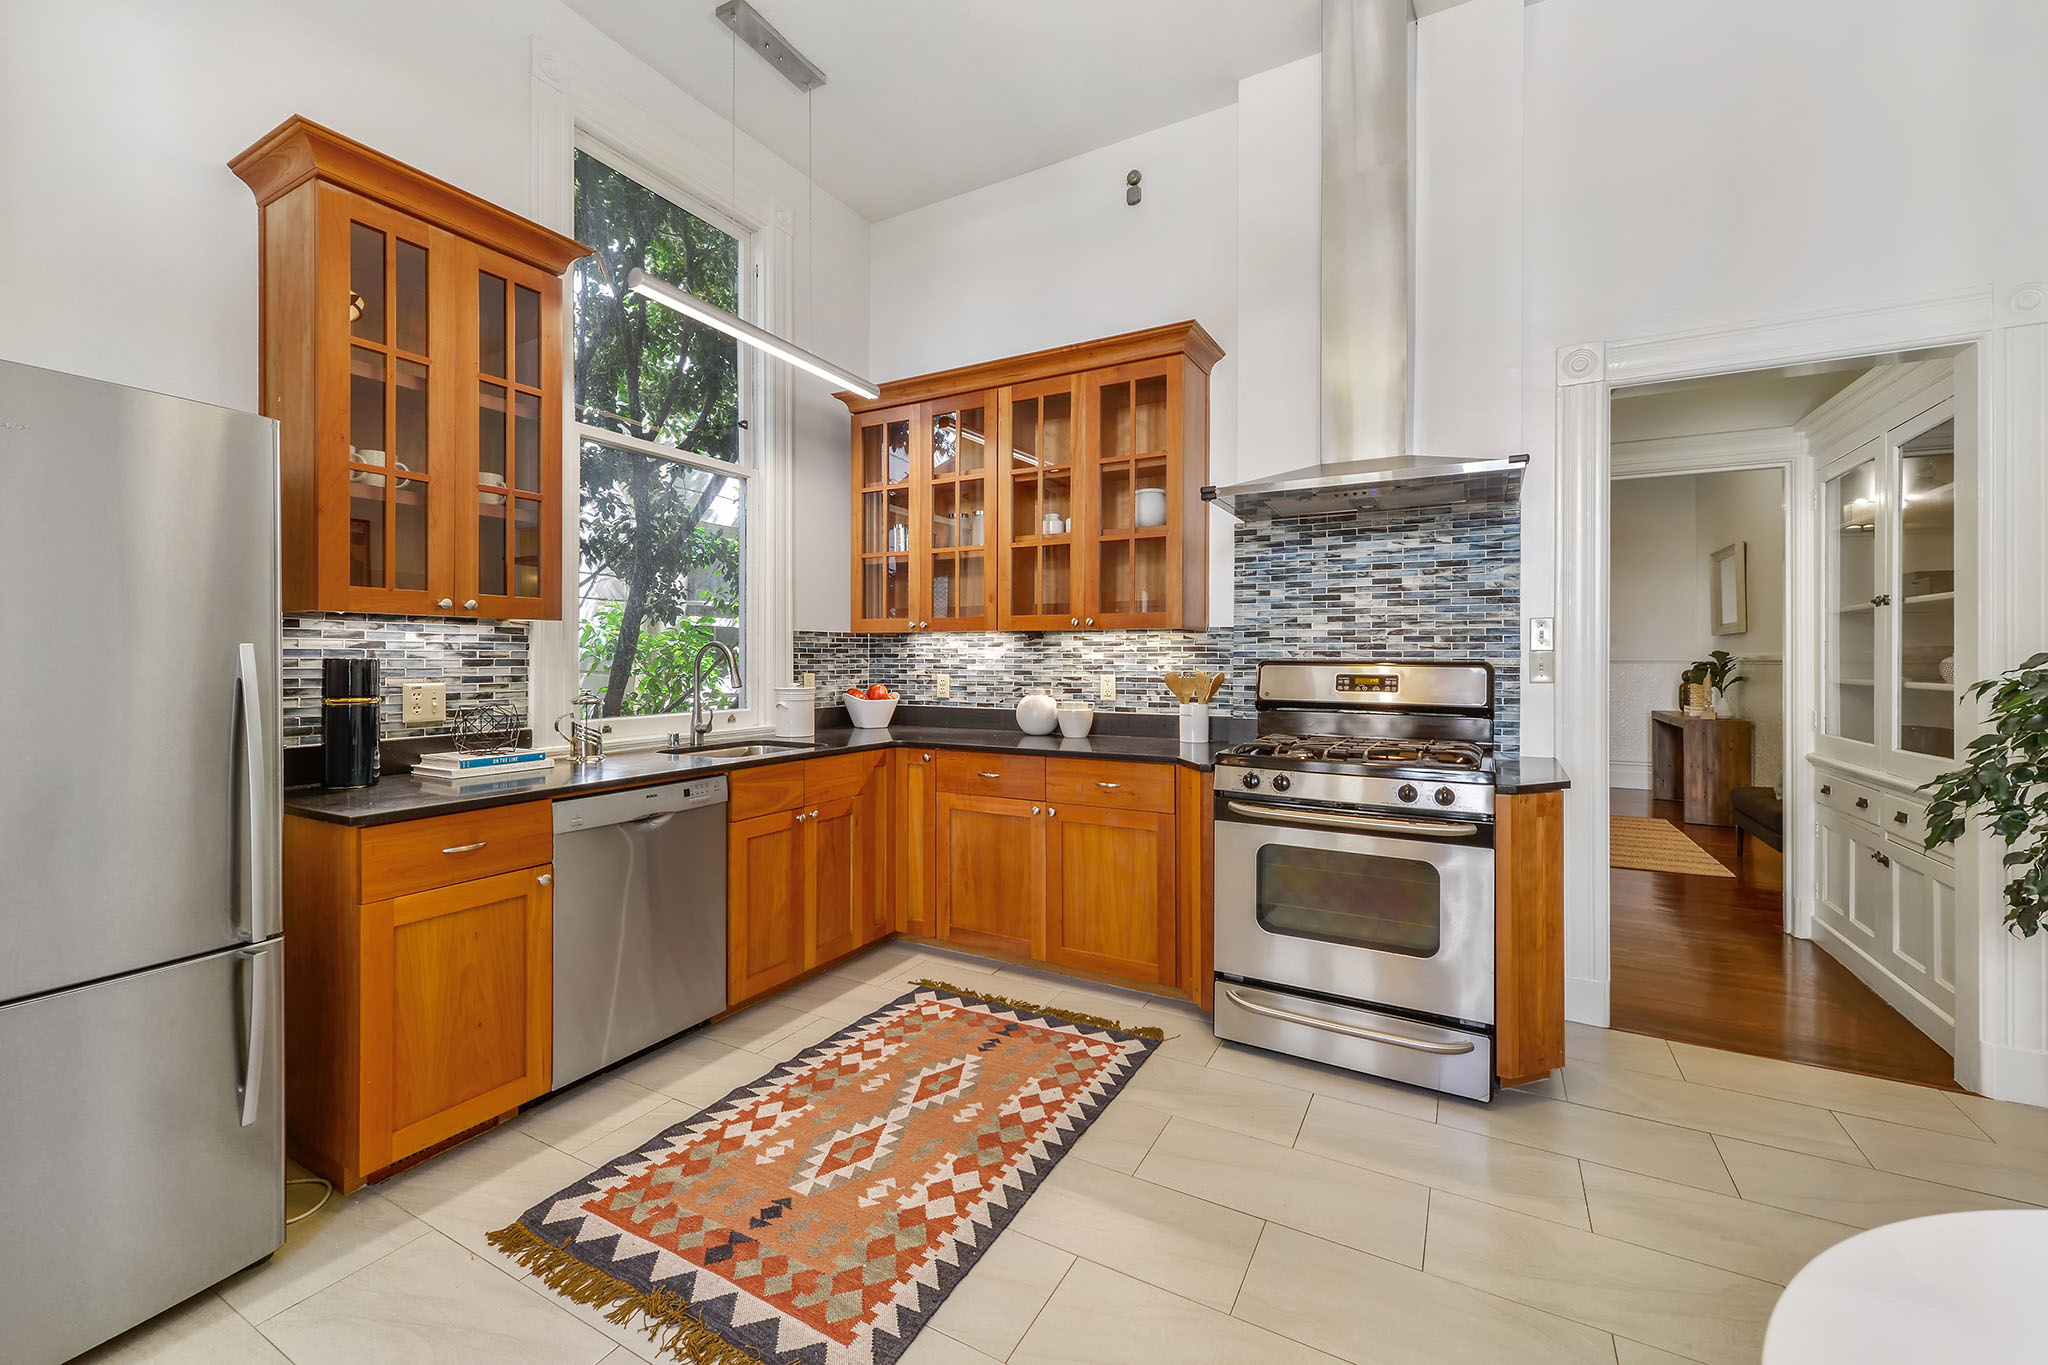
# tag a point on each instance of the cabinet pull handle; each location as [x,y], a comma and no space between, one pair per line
[1862,803]
[467,848]
[1898,817]
[1880,859]
[546,879]
[1883,599]
[1826,790]
[447,602]
[990,776]
[1110,786]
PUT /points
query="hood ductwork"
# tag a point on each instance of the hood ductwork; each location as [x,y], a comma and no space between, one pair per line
[1367,295]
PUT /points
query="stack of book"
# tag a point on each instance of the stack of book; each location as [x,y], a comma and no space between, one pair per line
[497,766]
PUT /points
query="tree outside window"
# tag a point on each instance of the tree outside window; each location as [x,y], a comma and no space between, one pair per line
[662,539]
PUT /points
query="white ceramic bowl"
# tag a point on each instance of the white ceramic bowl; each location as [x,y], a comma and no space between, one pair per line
[869,715]
[1151,508]
[1077,718]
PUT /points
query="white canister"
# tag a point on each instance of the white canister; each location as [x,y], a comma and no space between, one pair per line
[1037,713]
[1194,722]
[796,712]
[1077,718]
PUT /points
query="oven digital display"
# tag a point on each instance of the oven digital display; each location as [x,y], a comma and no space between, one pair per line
[1368,682]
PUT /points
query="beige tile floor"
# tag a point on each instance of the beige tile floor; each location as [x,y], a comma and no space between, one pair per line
[1230,1206]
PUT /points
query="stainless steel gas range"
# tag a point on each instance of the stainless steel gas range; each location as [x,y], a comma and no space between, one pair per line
[1354,871]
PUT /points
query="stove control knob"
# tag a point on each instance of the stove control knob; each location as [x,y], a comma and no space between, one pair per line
[1281,782]
[1406,791]
[1251,779]
[1446,797]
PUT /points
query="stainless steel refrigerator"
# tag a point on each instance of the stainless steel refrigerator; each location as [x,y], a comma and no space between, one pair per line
[141,963]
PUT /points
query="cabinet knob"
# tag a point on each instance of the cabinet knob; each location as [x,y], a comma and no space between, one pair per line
[1089,622]
[1826,790]
[546,879]
[1052,810]
[1073,620]
[1862,803]
[1880,859]
[927,758]
[447,602]
[1898,817]
[1034,810]
[470,605]
[801,817]
[814,815]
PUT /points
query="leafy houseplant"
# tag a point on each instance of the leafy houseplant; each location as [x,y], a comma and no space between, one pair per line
[1716,672]
[2005,781]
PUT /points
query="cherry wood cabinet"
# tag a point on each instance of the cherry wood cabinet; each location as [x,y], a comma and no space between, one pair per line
[765,876]
[914,814]
[1528,930]
[991,873]
[411,352]
[1059,490]
[1109,882]
[418,994]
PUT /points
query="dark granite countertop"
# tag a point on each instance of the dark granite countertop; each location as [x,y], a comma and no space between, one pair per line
[1522,776]
[401,796]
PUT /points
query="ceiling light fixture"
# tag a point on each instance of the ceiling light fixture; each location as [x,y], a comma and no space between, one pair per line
[689,305]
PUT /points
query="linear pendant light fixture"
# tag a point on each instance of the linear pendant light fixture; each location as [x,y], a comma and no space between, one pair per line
[689,305]
[747,25]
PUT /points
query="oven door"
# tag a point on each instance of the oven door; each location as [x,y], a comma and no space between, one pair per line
[1373,908]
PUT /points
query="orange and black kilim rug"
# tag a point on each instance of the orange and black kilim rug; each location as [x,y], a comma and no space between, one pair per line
[822,1214]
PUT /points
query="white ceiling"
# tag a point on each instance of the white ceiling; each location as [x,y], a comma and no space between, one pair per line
[926,99]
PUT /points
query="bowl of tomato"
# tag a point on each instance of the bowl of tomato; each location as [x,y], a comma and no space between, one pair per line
[870,707]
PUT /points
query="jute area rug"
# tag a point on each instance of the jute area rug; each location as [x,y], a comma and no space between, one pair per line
[1652,845]
[823,1213]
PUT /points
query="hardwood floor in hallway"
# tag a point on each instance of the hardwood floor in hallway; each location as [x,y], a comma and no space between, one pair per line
[1705,960]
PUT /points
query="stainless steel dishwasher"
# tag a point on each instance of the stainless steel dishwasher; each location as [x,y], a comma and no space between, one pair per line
[639,920]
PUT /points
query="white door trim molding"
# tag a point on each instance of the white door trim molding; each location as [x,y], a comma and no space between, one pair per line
[2002,983]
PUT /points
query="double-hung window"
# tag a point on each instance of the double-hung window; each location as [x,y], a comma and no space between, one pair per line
[669,500]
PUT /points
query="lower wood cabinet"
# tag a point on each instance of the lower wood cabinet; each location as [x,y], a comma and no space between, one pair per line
[990,873]
[807,880]
[1109,904]
[914,814]
[427,1010]
[1528,936]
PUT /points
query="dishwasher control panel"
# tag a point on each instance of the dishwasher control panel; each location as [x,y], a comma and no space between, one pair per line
[639,803]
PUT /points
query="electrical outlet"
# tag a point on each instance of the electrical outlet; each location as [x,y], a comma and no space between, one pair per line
[942,685]
[811,681]
[426,703]
[1543,633]
[1107,692]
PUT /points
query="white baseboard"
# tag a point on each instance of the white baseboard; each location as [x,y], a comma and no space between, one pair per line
[1634,776]
[1585,1000]
[2017,1074]
[1919,1011]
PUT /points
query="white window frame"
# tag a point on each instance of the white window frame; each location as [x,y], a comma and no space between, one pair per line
[576,111]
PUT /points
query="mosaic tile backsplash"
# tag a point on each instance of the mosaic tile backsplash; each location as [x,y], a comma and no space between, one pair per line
[479,660]
[1434,583]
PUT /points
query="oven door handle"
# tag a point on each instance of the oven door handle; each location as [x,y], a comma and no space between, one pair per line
[1370,1035]
[1377,824]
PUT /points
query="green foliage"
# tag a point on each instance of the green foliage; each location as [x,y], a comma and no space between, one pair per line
[651,373]
[2005,781]
[660,685]
[1717,670]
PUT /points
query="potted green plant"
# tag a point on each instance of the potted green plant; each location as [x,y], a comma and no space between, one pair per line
[1715,674]
[2004,782]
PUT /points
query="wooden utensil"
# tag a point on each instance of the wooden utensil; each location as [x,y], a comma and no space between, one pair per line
[1215,684]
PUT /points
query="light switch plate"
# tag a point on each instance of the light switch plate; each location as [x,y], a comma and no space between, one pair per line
[1107,692]
[1543,633]
[942,686]
[1542,666]
[426,703]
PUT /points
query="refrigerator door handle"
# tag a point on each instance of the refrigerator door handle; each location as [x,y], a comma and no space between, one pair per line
[255,835]
[260,964]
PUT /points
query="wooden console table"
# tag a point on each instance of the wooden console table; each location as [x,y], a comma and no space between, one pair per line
[1699,760]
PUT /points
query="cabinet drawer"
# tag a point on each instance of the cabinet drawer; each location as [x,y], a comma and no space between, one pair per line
[419,855]
[1852,799]
[758,791]
[838,777]
[1905,820]
[1012,775]
[1117,786]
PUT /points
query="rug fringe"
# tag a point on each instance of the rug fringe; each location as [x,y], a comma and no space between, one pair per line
[670,1321]
[1157,1035]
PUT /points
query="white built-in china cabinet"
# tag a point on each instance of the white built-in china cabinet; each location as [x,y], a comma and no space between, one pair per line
[1894,532]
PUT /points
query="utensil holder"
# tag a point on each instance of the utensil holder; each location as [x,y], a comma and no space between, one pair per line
[1194,722]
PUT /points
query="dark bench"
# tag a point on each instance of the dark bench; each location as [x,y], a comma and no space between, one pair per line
[1758,813]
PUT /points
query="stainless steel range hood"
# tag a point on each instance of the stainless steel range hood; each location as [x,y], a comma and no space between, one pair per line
[1367,460]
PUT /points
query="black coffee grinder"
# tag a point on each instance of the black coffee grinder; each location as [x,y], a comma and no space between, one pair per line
[348,722]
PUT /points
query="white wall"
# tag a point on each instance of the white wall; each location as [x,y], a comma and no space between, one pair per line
[1660,615]
[130,249]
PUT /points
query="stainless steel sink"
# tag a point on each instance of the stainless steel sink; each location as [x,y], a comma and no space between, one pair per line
[755,750]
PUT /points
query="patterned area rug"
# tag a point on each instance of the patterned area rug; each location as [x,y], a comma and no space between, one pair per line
[822,1214]
[1651,845]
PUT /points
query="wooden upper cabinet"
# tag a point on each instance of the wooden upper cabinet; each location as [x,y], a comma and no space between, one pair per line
[412,354]
[1060,490]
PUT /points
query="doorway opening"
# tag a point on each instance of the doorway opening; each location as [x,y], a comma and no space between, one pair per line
[1713,553]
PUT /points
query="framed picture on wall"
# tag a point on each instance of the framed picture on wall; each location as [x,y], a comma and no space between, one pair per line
[1728,579]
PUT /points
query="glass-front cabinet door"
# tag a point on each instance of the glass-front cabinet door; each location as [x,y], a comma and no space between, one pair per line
[1922,584]
[1042,512]
[956,468]
[1132,544]
[1852,512]
[398,459]
[507,540]
[883,503]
